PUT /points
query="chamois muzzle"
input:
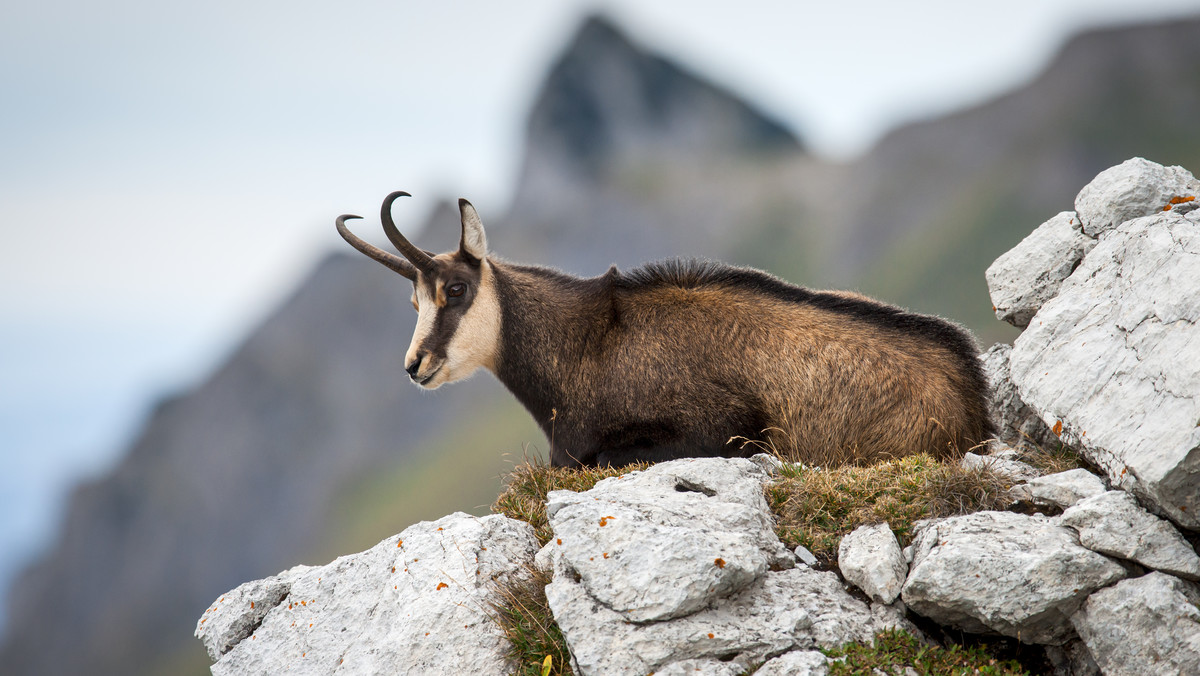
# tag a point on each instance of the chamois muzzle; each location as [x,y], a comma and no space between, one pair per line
[417,259]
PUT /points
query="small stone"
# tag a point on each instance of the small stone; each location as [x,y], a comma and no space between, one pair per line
[1014,470]
[806,557]
[769,463]
[1061,489]
[870,558]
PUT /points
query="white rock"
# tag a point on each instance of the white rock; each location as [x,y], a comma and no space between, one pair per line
[543,561]
[1130,190]
[1020,576]
[784,610]
[870,559]
[699,668]
[796,663]
[1030,273]
[1113,523]
[237,613]
[1113,362]
[666,541]
[1061,489]
[804,556]
[1148,625]
[1014,470]
[417,603]
[1017,423]
[769,463]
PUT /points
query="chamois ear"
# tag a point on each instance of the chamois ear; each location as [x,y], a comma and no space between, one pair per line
[474,240]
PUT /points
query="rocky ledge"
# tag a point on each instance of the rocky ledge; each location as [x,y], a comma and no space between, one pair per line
[677,569]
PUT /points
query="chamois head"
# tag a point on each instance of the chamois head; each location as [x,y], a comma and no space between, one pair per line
[458,314]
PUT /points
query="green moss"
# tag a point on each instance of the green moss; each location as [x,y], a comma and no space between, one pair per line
[895,650]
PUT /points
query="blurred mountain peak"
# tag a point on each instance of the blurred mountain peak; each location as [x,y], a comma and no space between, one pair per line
[608,102]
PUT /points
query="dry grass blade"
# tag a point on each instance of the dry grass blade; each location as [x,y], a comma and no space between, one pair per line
[522,613]
[816,507]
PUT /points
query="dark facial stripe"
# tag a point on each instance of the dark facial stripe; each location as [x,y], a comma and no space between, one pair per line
[448,317]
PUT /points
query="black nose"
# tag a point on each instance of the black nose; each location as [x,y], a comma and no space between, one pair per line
[415,366]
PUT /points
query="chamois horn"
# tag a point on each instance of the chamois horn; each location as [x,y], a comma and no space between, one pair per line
[389,259]
[422,260]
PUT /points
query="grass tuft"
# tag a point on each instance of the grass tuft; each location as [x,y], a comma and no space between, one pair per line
[895,650]
[1050,460]
[525,489]
[521,611]
[816,507]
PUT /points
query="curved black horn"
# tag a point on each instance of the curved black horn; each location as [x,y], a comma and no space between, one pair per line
[389,259]
[419,258]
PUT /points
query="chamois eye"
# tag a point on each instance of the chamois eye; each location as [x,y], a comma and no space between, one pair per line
[456,290]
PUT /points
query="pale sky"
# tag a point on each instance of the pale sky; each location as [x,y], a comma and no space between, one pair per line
[169,171]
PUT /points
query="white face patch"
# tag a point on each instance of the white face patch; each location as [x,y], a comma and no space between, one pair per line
[476,340]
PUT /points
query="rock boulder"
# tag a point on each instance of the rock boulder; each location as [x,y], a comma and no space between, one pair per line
[417,603]
[1020,576]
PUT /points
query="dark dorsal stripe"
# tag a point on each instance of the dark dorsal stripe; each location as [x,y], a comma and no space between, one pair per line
[694,274]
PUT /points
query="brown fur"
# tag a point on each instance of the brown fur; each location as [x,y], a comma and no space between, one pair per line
[683,359]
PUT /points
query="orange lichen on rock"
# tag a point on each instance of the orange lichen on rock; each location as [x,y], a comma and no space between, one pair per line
[442,585]
[1057,428]
[711,636]
[720,563]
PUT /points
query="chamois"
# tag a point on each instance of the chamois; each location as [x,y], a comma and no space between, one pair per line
[688,358]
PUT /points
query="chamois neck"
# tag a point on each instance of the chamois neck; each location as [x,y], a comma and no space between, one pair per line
[550,322]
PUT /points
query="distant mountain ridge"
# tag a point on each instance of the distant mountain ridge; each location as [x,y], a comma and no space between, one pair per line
[628,158]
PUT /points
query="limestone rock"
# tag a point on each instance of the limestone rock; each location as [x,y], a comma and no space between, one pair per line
[796,663]
[1147,625]
[237,613]
[417,603]
[1016,422]
[1133,189]
[1020,576]
[1014,470]
[870,559]
[1030,273]
[699,668]
[1113,362]
[666,541]
[1113,523]
[804,556]
[799,608]
[1061,489]
[769,463]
